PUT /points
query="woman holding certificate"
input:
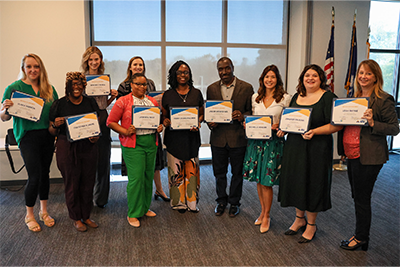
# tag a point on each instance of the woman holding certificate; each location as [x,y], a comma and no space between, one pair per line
[262,162]
[139,148]
[366,147]
[182,145]
[76,159]
[35,143]
[93,64]
[136,65]
[305,181]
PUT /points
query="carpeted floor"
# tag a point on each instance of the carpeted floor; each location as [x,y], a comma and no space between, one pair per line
[203,239]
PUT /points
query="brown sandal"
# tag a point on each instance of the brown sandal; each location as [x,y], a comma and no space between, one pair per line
[45,217]
[32,225]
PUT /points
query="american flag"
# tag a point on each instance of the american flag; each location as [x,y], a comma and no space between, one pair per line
[329,61]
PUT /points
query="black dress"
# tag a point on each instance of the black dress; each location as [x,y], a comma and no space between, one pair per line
[306,176]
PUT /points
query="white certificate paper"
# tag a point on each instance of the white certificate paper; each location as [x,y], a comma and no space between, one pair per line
[218,111]
[98,85]
[82,126]
[295,120]
[258,127]
[26,106]
[348,111]
[184,118]
[145,117]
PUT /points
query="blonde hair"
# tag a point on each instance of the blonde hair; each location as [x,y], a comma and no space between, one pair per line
[85,58]
[129,72]
[376,70]
[45,88]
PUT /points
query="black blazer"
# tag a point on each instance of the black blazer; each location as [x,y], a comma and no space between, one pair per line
[373,144]
[231,134]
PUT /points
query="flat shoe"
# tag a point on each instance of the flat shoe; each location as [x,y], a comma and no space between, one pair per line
[32,225]
[46,218]
[135,223]
[258,222]
[81,228]
[91,223]
[150,213]
[306,240]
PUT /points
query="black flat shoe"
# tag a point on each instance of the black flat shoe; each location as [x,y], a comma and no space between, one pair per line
[182,210]
[293,232]
[157,195]
[303,240]
[345,244]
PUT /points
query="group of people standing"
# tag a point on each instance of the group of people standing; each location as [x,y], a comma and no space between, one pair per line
[301,164]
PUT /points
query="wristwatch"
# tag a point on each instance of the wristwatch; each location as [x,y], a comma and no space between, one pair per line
[54,126]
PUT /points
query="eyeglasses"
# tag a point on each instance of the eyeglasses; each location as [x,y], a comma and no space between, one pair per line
[182,72]
[77,84]
[141,84]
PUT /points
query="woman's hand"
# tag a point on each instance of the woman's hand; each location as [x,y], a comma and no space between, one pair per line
[160,128]
[6,104]
[167,122]
[275,126]
[308,135]
[131,130]
[59,121]
[369,117]
[93,139]
[237,115]
[212,125]
[280,133]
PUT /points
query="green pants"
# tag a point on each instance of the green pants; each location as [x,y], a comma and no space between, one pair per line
[140,163]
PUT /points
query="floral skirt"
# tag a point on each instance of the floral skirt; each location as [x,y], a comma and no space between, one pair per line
[262,162]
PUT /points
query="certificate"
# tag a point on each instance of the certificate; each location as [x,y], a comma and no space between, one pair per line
[258,127]
[295,120]
[157,95]
[98,85]
[82,126]
[145,117]
[218,111]
[348,111]
[26,106]
[184,118]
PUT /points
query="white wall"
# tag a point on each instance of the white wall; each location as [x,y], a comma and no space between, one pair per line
[54,30]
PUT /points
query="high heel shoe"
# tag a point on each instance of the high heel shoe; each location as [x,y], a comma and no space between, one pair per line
[293,232]
[345,244]
[305,240]
[157,195]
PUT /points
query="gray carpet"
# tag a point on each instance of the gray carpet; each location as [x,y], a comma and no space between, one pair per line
[174,239]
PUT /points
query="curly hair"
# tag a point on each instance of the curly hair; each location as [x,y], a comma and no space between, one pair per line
[376,70]
[129,72]
[172,79]
[301,90]
[85,59]
[278,92]
[74,75]
[45,89]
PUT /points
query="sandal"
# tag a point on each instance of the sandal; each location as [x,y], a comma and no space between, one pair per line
[45,217]
[32,225]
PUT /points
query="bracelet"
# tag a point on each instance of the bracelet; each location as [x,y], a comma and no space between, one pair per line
[54,126]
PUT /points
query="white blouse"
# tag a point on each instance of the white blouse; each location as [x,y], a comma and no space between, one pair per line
[274,110]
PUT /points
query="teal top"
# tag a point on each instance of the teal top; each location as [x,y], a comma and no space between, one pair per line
[21,126]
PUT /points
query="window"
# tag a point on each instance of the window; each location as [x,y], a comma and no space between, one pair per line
[385,49]
[252,33]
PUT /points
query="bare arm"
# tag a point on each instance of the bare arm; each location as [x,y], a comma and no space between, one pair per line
[4,106]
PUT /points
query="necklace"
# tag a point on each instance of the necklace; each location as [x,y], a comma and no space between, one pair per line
[183,98]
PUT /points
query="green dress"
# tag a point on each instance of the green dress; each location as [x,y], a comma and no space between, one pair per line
[306,175]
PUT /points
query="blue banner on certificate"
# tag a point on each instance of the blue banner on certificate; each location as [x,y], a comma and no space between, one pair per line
[26,106]
[295,120]
[184,118]
[258,127]
[145,117]
[82,126]
[218,111]
[98,85]
[348,111]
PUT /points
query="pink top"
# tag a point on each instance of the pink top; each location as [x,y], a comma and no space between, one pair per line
[122,111]
[351,141]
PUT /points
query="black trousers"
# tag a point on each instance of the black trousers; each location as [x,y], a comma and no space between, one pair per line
[37,148]
[221,156]
[102,184]
[362,180]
